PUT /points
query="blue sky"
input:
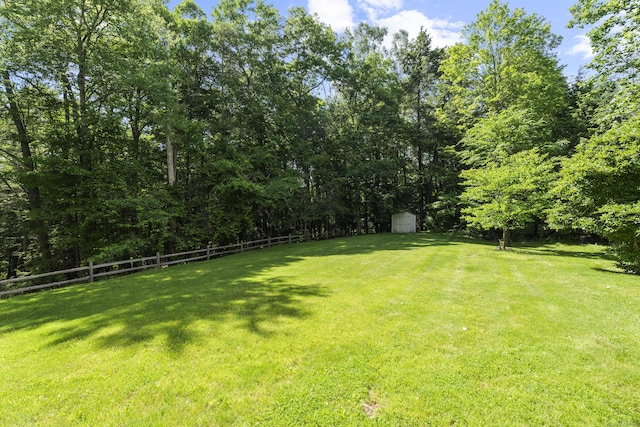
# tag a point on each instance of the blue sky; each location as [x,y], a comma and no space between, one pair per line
[443,19]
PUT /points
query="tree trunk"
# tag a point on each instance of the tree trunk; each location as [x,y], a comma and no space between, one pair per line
[12,266]
[421,192]
[172,158]
[505,239]
[82,126]
[33,192]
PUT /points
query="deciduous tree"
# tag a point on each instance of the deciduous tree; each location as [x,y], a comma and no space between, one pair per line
[509,195]
[615,39]
[507,60]
[599,191]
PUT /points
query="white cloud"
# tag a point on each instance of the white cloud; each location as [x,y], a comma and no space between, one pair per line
[339,15]
[384,4]
[336,13]
[374,8]
[583,47]
[442,32]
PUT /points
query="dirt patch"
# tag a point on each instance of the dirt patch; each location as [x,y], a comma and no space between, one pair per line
[371,406]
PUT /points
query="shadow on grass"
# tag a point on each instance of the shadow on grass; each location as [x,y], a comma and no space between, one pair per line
[613,270]
[385,242]
[546,249]
[166,304]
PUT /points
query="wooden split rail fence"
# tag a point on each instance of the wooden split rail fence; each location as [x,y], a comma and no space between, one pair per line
[92,272]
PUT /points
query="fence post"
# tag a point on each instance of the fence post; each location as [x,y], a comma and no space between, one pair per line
[157,259]
[289,238]
[208,252]
[90,271]
[241,247]
[269,240]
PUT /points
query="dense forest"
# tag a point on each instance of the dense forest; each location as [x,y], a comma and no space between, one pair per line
[127,128]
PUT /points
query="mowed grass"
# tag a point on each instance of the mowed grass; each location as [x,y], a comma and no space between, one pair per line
[391,330]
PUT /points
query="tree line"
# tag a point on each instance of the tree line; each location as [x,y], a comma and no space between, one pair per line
[127,128]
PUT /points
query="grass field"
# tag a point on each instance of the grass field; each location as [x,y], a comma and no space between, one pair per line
[391,330]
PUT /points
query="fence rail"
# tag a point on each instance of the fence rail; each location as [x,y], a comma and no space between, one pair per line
[92,272]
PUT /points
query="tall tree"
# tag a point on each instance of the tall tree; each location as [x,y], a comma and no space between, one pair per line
[13,204]
[598,191]
[370,127]
[508,93]
[83,62]
[22,136]
[312,52]
[507,60]
[26,167]
[615,40]
[418,66]
[254,131]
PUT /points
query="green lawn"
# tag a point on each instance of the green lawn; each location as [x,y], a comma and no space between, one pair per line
[396,330]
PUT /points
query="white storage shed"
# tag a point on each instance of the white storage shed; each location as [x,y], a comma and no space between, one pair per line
[404,222]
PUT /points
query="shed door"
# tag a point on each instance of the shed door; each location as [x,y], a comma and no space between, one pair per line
[404,223]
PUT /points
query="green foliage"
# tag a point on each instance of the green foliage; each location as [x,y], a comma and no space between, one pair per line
[274,124]
[598,190]
[430,171]
[75,92]
[509,98]
[366,111]
[494,138]
[507,61]
[507,195]
[598,186]
[621,224]
[614,26]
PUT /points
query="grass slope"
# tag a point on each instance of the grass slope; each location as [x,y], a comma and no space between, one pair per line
[423,329]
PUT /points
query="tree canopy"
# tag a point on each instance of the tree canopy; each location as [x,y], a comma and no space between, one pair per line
[127,128]
[507,60]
